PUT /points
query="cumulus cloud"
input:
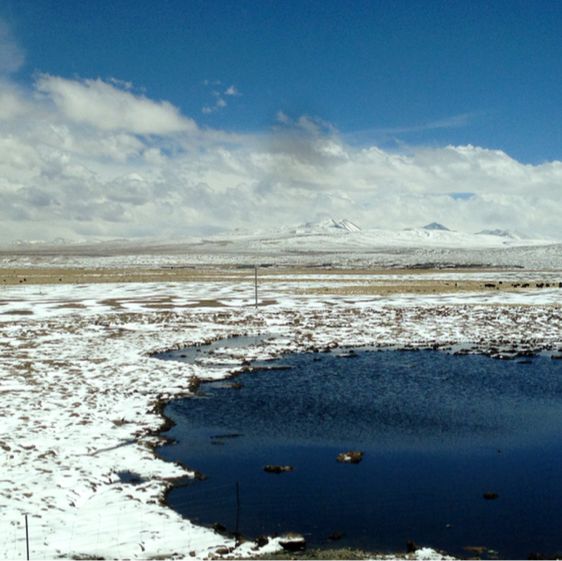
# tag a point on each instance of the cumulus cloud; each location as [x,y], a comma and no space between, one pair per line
[91,158]
[111,106]
[12,104]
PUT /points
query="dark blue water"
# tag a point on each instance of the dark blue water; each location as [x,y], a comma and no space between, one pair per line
[438,431]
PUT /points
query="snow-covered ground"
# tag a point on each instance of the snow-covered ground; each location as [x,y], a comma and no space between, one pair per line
[336,243]
[80,393]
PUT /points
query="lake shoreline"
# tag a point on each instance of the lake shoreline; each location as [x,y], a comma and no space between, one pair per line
[338,357]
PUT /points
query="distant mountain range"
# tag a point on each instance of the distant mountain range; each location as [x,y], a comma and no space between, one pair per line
[344,235]
[345,225]
[325,235]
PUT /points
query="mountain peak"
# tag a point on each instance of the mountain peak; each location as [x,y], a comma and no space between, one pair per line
[498,232]
[329,225]
[345,224]
[436,226]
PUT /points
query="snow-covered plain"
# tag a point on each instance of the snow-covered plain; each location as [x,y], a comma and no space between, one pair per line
[329,243]
[80,394]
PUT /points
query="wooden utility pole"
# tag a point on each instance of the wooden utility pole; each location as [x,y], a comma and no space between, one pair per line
[256,285]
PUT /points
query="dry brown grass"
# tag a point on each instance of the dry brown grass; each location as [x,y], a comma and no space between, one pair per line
[77,275]
[409,287]
[375,281]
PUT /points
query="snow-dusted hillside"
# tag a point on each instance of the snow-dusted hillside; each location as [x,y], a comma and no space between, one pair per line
[338,243]
[337,235]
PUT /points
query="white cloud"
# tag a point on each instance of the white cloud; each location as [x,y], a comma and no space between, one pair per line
[12,104]
[282,118]
[107,106]
[89,158]
[232,90]
[218,104]
[377,134]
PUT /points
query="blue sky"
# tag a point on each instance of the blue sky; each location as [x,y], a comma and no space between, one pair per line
[392,73]
[170,119]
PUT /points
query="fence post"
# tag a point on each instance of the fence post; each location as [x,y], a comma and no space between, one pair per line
[27,537]
[256,285]
[237,529]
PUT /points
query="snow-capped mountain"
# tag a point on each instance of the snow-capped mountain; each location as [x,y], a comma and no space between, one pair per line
[500,233]
[328,225]
[436,226]
[337,235]
[329,240]
[346,225]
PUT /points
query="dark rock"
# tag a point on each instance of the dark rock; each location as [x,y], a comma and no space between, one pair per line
[194,384]
[224,436]
[277,469]
[261,541]
[218,527]
[292,542]
[351,457]
[335,536]
[476,549]
[489,496]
